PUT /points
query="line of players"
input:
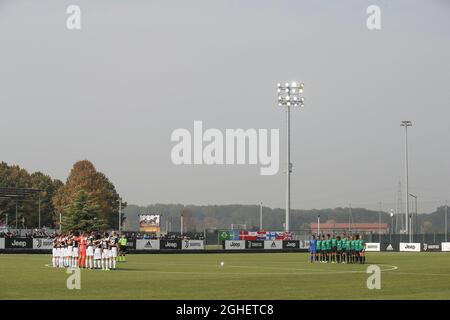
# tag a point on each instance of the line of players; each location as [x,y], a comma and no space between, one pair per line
[93,251]
[337,249]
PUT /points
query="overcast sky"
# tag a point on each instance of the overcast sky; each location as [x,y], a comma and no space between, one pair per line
[114,91]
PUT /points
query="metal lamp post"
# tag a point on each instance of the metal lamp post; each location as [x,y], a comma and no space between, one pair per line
[260,216]
[289,95]
[413,221]
[446,222]
[392,225]
[120,215]
[318,225]
[406,124]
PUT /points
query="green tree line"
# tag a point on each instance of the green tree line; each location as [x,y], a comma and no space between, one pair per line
[86,201]
[198,218]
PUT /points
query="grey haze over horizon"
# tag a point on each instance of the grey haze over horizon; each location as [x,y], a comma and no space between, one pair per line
[114,91]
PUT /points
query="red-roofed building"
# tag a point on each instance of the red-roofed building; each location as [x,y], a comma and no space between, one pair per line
[382,228]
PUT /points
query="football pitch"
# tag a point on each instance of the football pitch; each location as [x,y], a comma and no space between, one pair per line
[243,276]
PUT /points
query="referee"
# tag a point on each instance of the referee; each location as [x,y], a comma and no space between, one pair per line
[123,248]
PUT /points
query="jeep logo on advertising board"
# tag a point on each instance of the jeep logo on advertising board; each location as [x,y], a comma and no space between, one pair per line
[291,244]
[18,243]
[235,244]
[170,244]
[411,247]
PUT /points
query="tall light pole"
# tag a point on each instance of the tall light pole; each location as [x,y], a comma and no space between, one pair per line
[412,225]
[318,225]
[260,216]
[289,95]
[17,218]
[379,222]
[39,212]
[350,217]
[120,215]
[446,221]
[181,224]
[392,225]
[406,124]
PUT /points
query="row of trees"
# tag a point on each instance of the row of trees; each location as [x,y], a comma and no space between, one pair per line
[87,201]
[198,218]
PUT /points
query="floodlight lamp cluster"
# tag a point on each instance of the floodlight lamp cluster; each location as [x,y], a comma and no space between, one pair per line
[289,94]
[406,123]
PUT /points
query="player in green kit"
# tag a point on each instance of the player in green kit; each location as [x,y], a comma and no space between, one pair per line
[348,249]
[324,249]
[328,244]
[318,249]
[362,250]
[333,249]
[356,249]
[339,251]
[353,247]
[344,248]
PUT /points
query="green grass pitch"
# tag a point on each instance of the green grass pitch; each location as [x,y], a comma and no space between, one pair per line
[243,276]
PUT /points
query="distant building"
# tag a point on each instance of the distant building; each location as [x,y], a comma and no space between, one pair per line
[381,228]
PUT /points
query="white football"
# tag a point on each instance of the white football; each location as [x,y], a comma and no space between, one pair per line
[221,264]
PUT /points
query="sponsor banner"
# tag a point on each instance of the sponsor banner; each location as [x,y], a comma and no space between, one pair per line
[273,244]
[234,244]
[170,244]
[389,247]
[431,247]
[409,247]
[291,244]
[42,244]
[18,243]
[445,246]
[373,246]
[2,243]
[254,244]
[192,245]
[143,244]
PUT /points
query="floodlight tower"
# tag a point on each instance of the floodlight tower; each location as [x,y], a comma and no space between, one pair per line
[289,95]
[406,124]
